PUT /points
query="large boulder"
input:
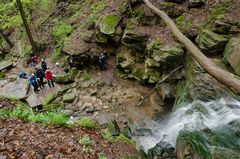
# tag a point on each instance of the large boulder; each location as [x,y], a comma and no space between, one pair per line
[232,54]
[5,64]
[168,56]
[210,42]
[66,78]
[134,40]
[17,89]
[199,85]
[108,24]
[69,97]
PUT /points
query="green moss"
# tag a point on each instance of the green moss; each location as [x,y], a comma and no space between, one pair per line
[183,22]
[85,141]
[52,106]
[2,75]
[153,45]
[49,99]
[127,140]
[109,23]
[107,135]
[217,11]
[62,30]
[86,76]
[98,7]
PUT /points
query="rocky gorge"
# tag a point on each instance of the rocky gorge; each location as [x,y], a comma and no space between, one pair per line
[188,115]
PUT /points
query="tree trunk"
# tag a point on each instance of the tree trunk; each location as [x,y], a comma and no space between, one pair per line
[228,79]
[6,38]
[20,8]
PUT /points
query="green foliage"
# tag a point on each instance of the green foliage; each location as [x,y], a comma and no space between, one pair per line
[153,45]
[56,55]
[87,123]
[62,30]
[109,24]
[56,118]
[86,76]
[217,11]
[127,140]
[98,7]
[101,156]
[107,135]
[4,113]
[183,22]
[88,149]
[85,141]
[21,112]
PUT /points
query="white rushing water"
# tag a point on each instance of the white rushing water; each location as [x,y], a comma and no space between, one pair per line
[194,116]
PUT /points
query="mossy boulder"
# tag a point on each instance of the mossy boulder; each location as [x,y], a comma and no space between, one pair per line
[210,42]
[168,56]
[232,54]
[153,74]
[109,23]
[134,40]
[66,77]
[199,85]
[49,98]
[69,97]
[138,72]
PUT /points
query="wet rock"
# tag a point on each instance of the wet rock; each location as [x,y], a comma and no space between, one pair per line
[134,40]
[108,24]
[196,3]
[162,149]
[199,85]
[166,90]
[17,89]
[210,42]
[232,54]
[69,97]
[5,64]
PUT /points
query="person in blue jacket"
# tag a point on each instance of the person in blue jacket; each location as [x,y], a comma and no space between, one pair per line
[22,75]
[33,81]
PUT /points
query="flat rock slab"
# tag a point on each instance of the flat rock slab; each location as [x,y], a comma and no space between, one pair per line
[5,64]
[17,89]
[34,100]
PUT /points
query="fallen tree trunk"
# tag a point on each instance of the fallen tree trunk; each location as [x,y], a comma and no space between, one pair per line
[226,78]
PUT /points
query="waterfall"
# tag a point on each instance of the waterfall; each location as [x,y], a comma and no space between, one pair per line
[197,115]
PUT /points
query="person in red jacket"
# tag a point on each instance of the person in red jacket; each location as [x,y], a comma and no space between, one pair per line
[49,78]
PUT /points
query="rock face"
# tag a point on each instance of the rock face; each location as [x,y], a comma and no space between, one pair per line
[17,89]
[5,64]
[210,42]
[232,54]
[134,40]
[168,56]
[199,85]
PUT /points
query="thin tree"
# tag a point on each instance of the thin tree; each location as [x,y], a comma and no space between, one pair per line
[6,38]
[20,8]
[228,79]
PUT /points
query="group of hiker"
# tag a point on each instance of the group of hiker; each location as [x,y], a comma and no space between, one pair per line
[36,79]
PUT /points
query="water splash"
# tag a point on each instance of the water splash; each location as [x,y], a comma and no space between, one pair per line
[197,115]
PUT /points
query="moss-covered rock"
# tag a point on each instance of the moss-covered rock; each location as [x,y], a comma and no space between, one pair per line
[232,54]
[168,56]
[109,23]
[134,40]
[138,72]
[52,106]
[199,85]
[210,42]
[66,77]
[49,99]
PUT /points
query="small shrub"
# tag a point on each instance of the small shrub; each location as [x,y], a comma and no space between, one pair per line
[62,30]
[107,135]
[4,113]
[98,7]
[21,111]
[86,77]
[101,156]
[56,118]
[86,123]
[85,141]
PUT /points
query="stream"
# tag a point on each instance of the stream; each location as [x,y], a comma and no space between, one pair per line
[197,115]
